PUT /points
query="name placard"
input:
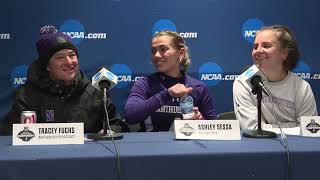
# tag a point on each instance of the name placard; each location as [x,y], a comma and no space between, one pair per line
[47,133]
[207,129]
[310,126]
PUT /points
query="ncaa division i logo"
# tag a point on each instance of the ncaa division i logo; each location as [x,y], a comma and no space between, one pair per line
[74,29]
[163,24]
[210,73]
[19,75]
[250,28]
[124,74]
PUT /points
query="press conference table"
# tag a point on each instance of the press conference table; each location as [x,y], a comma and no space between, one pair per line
[158,155]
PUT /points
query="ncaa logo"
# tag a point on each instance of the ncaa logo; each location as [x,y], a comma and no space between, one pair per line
[210,73]
[303,70]
[74,29]
[19,75]
[302,67]
[249,29]
[163,24]
[124,74]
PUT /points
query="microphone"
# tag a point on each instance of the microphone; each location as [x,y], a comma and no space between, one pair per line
[252,77]
[104,79]
[250,73]
[257,82]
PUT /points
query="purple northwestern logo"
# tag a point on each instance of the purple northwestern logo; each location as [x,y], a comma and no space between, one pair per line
[163,24]
[250,28]
[124,74]
[19,75]
[210,73]
[74,29]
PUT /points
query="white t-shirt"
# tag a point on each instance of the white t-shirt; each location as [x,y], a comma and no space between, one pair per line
[290,99]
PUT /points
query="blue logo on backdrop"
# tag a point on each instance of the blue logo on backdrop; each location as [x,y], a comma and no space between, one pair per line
[210,73]
[166,24]
[163,24]
[74,29]
[302,70]
[250,27]
[124,74]
[19,75]
[302,67]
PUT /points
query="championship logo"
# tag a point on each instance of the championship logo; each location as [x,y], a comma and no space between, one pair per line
[313,127]
[187,130]
[26,134]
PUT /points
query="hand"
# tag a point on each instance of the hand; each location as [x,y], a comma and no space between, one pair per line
[197,115]
[179,90]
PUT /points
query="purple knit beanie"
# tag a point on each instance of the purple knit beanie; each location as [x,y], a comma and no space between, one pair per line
[52,41]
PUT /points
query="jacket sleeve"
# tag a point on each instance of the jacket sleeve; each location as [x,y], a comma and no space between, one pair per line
[139,105]
[13,117]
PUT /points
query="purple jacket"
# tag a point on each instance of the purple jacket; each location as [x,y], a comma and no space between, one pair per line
[149,96]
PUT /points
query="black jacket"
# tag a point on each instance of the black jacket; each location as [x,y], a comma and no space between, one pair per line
[54,102]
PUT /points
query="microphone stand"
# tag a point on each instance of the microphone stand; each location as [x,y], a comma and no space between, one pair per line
[259,133]
[107,133]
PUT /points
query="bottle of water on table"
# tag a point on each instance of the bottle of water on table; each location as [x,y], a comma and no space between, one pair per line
[186,105]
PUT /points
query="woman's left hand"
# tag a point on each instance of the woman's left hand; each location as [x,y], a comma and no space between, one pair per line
[197,114]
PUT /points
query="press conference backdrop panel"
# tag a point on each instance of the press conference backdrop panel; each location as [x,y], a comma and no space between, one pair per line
[117,33]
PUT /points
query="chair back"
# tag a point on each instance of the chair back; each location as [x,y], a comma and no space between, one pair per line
[227,116]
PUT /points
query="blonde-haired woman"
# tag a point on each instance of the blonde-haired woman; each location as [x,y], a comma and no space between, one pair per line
[154,99]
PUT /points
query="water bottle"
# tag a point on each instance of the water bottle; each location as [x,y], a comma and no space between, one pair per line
[186,105]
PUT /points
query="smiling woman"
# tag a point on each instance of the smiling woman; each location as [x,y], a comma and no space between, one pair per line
[275,53]
[63,65]
[170,55]
[154,99]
